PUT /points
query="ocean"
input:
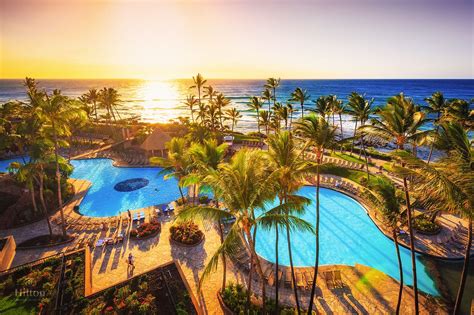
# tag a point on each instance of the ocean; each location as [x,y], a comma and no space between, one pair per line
[160,101]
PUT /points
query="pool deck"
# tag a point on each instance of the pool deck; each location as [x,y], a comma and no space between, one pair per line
[439,245]
[367,290]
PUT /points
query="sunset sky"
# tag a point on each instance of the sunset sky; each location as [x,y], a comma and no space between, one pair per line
[236,39]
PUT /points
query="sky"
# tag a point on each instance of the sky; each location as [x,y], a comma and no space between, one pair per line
[295,39]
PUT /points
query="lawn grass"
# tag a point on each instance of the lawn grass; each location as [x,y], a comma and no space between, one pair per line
[11,305]
[354,175]
[349,158]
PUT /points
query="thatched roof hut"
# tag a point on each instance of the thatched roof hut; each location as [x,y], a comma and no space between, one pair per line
[154,144]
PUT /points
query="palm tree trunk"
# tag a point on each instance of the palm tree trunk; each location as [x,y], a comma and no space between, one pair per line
[43,204]
[432,143]
[32,194]
[465,269]
[224,264]
[366,159]
[181,192]
[316,261]
[342,134]
[249,286]
[400,290]
[353,139]
[277,285]
[412,244]
[95,111]
[58,181]
[258,122]
[302,110]
[259,269]
[295,288]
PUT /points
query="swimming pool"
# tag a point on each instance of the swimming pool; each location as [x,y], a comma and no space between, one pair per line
[347,236]
[103,199]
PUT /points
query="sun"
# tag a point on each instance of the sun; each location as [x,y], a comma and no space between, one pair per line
[159,100]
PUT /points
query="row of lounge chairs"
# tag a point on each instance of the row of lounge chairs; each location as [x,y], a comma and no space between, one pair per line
[252,144]
[338,162]
[125,157]
[304,279]
[164,209]
[337,183]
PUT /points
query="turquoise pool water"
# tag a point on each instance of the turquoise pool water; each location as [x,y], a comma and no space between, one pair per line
[347,236]
[103,200]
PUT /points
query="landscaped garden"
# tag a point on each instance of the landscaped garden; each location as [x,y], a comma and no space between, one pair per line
[187,233]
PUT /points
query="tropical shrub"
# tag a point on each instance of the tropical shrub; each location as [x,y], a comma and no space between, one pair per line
[204,199]
[186,233]
[146,229]
[424,225]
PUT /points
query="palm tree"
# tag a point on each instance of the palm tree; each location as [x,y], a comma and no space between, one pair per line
[360,108]
[220,102]
[285,159]
[339,108]
[272,84]
[92,97]
[206,158]
[233,115]
[320,136]
[436,104]
[109,99]
[300,95]
[267,96]
[190,103]
[448,182]
[384,197]
[283,113]
[290,113]
[243,185]
[400,121]
[57,111]
[256,104]
[265,120]
[459,110]
[202,113]
[209,92]
[323,107]
[177,164]
[199,82]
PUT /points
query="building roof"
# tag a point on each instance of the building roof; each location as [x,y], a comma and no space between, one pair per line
[155,141]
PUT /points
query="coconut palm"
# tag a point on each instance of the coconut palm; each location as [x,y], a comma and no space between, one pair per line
[317,133]
[360,108]
[202,113]
[209,92]
[267,96]
[449,182]
[301,96]
[199,82]
[290,113]
[220,102]
[243,185]
[265,120]
[233,115]
[399,121]
[109,99]
[255,104]
[190,103]
[92,97]
[339,108]
[460,111]
[323,107]
[272,84]
[177,164]
[283,113]
[436,104]
[57,111]
[384,197]
[206,158]
[285,159]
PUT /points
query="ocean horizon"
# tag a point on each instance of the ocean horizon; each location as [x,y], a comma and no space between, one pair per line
[159,101]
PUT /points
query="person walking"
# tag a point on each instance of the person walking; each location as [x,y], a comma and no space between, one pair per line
[131,262]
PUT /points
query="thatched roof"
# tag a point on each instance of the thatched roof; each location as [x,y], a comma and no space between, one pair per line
[155,141]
